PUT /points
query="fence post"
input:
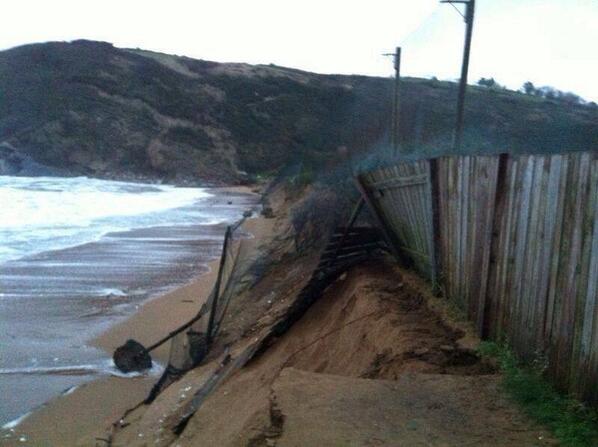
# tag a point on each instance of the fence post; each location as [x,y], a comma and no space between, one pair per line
[217,286]
[436,241]
[499,197]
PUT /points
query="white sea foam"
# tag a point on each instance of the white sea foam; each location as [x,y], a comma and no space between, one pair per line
[110,292]
[156,370]
[70,390]
[106,367]
[48,213]
[66,369]
[15,422]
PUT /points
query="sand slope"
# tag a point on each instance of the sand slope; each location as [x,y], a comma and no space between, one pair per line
[376,361]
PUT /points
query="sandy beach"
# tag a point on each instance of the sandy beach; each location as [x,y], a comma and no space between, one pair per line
[80,415]
[65,420]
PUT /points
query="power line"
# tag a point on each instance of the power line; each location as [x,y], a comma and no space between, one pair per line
[423,24]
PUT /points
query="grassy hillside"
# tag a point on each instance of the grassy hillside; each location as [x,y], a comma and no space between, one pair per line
[91,108]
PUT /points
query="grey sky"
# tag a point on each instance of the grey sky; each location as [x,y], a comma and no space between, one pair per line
[550,42]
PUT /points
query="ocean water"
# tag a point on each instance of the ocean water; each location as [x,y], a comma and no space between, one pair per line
[79,254]
[44,213]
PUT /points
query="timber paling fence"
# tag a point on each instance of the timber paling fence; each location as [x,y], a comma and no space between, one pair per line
[513,239]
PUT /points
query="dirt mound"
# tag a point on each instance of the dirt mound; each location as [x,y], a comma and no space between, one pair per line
[376,324]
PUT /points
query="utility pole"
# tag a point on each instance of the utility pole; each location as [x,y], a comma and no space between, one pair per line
[396,109]
[468,17]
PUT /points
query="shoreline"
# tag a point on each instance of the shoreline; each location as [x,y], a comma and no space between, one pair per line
[147,324]
[113,395]
[94,405]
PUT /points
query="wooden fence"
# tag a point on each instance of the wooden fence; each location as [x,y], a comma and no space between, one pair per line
[514,240]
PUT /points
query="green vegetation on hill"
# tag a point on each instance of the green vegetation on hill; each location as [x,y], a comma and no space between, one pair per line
[91,108]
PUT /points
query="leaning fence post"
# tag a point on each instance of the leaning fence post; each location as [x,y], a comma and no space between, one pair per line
[217,286]
[386,233]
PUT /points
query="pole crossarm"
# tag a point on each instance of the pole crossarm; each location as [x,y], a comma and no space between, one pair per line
[457,9]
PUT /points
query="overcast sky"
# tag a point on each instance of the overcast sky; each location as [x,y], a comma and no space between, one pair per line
[550,42]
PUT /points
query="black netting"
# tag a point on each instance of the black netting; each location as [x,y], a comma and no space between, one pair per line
[189,347]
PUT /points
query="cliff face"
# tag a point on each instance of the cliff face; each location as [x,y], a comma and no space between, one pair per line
[90,108]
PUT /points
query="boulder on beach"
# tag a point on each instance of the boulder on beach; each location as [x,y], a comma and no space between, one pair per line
[132,356]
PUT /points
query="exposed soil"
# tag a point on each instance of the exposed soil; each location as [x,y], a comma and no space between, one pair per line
[375,361]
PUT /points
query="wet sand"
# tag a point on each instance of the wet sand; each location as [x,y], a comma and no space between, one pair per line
[82,415]
[96,404]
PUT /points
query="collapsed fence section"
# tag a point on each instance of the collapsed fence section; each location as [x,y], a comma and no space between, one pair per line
[515,239]
[191,343]
[402,197]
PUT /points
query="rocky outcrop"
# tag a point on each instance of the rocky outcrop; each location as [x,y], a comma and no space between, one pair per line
[13,162]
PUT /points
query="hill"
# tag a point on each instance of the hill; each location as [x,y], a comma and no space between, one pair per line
[91,108]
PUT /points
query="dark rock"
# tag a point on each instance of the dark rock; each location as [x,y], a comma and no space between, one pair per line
[13,162]
[132,356]
[267,212]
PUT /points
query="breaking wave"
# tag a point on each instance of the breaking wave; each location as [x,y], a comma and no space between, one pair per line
[49,213]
